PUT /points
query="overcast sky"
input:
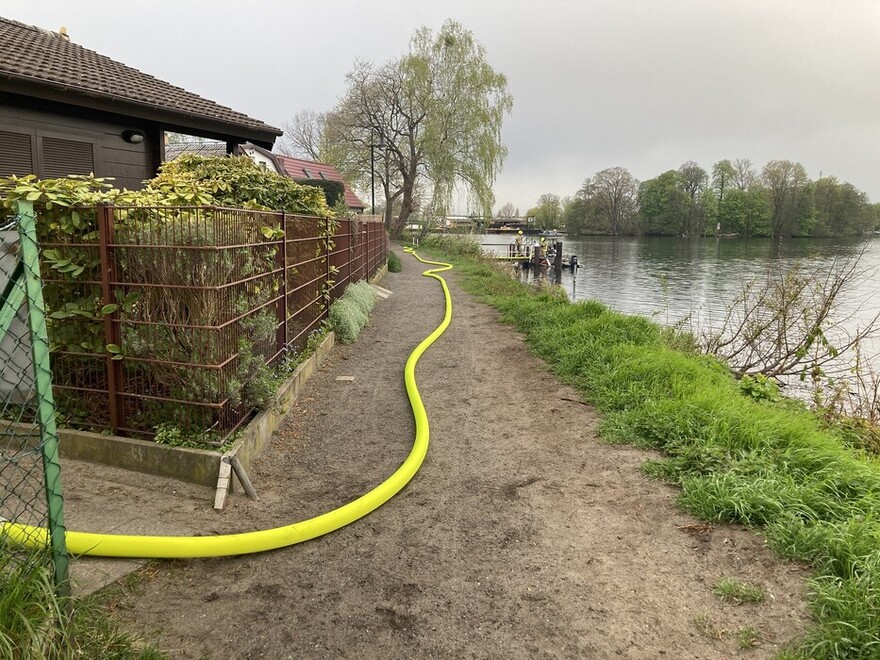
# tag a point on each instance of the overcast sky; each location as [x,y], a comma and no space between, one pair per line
[646,85]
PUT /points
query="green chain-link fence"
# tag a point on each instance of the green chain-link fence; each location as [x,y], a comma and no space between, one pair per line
[30,475]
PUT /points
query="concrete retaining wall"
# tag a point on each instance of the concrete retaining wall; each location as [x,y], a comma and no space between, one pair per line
[198,466]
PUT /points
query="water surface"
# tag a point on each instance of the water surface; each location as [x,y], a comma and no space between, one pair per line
[693,281]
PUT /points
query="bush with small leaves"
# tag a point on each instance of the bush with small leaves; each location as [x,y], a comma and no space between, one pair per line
[349,314]
[394,263]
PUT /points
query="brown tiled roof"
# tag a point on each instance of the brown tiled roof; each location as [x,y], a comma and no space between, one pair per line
[42,59]
[299,170]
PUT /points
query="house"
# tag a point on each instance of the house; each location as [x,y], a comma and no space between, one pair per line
[262,157]
[65,109]
[311,173]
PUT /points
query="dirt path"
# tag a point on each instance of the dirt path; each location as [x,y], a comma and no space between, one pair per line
[522,536]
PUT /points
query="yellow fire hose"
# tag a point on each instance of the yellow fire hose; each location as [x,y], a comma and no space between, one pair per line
[177,547]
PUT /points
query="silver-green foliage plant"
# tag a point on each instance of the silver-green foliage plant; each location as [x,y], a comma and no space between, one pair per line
[350,313]
[362,295]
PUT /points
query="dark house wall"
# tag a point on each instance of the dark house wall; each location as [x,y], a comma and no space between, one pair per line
[53,140]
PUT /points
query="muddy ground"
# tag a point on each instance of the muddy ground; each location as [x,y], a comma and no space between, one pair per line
[522,536]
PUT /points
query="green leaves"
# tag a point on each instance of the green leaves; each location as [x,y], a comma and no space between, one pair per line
[63,264]
[439,110]
[272,233]
[234,181]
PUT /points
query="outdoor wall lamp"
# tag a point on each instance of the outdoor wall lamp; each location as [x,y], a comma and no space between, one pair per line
[135,137]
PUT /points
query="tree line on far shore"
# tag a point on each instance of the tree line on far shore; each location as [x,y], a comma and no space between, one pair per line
[778,201]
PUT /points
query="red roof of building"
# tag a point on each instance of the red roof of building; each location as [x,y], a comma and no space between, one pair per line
[300,170]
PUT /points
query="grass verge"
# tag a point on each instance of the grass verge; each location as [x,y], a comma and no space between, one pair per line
[35,624]
[771,465]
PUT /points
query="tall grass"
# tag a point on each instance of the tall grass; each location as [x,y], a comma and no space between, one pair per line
[36,624]
[770,465]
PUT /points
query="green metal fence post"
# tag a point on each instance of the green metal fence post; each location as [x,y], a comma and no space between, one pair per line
[30,258]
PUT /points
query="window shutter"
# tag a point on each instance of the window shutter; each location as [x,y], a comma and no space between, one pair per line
[63,157]
[16,156]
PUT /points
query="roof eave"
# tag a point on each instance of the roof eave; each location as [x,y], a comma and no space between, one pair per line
[177,119]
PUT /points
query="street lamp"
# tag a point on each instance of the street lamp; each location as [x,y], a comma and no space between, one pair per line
[373,145]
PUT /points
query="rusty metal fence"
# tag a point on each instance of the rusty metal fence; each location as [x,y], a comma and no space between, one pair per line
[167,317]
[360,249]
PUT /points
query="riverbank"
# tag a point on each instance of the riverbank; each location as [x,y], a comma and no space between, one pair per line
[522,535]
[770,466]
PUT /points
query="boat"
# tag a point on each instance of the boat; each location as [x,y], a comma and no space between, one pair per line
[550,233]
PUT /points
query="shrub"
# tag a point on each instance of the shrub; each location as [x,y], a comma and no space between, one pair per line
[173,290]
[363,295]
[349,314]
[238,181]
[459,245]
[394,263]
[334,191]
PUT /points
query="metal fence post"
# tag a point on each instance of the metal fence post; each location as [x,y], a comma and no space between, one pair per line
[281,335]
[30,258]
[112,333]
[326,312]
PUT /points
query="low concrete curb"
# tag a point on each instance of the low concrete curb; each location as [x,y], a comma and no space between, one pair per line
[261,427]
[198,466]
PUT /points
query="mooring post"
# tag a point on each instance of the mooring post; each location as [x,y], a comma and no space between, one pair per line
[557,262]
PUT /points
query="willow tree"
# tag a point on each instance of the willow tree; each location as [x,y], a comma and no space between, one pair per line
[432,120]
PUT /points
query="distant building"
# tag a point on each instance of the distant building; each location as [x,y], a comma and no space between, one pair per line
[304,170]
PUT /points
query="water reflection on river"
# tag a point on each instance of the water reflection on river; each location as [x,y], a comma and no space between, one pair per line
[691,281]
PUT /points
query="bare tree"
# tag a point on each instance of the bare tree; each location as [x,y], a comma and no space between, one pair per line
[507,211]
[743,175]
[303,135]
[794,322]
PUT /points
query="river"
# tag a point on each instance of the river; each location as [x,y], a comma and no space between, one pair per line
[692,281]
